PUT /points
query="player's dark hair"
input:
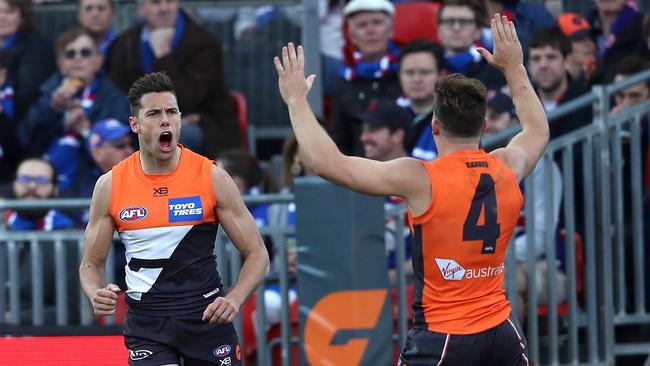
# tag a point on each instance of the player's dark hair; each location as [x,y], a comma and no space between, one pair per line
[424,46]
[460,105]
[552,37]
[156,82]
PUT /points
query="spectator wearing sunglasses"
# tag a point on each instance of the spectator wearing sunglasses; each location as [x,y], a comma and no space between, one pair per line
[72,99]
[36,180]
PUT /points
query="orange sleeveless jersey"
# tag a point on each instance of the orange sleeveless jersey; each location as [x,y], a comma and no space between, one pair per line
[168,225]
[459,243]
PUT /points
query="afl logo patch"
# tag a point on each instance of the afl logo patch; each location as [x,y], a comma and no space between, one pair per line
[133,213]
[222,351]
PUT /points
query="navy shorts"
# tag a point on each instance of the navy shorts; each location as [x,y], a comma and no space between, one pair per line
[503,345]
[159,340]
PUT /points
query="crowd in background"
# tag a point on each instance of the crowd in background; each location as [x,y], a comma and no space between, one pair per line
[64,115]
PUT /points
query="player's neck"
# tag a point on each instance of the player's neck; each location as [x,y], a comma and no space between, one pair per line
[153,165]
[446,146]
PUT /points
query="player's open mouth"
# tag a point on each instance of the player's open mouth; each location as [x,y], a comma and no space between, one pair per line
[165,141]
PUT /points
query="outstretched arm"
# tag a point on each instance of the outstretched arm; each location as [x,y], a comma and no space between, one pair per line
[97,242]
[238,223]
[526,148]
[401,177]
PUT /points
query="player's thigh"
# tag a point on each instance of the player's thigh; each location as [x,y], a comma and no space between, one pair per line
[208,344]
[147,345]
[508,345]
[423,348]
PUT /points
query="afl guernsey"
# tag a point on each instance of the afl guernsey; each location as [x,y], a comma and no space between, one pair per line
[168,225]
[460,242]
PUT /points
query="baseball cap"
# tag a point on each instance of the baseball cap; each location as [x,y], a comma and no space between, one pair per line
[500,103]
[385,113]
[356,6]
[106,130]
[574,26]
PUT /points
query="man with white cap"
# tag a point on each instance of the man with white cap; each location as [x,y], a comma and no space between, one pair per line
[370,75]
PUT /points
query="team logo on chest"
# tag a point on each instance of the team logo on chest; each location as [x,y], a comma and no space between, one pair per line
[185,209]
[133,213]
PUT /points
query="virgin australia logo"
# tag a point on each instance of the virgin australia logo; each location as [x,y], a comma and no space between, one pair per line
[451,271]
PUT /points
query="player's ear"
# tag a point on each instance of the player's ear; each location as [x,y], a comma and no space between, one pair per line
[484,127]
[133,123]
[435,127]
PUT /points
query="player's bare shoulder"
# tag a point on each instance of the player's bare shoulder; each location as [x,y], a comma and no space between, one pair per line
[513,157]
[102,191]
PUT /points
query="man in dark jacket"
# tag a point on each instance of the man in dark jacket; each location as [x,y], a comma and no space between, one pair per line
[73,98]
[169,40]
[372,74]
[547,52]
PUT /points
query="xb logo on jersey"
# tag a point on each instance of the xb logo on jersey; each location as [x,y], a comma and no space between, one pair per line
[185,209]
[133,213]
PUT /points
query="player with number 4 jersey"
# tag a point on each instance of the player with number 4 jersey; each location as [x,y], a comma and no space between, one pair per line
[463,207]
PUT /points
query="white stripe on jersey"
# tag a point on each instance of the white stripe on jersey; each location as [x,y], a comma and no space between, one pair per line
[153,243]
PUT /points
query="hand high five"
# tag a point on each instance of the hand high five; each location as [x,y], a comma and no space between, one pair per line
[507,49]
[291,74]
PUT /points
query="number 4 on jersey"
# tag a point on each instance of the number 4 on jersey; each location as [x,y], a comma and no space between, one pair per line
[485,200]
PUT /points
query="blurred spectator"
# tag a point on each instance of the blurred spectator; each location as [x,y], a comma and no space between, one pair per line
[10,151]
[96,17]
[500,113]
[628,97]
[528,16]
[617,31]
[547,52]
[581,61]
[372,74]
[74,98]
[169,40]
[29,57]
[384,127]
[459,28]
[421,64]
[80,163]
[36,180]
[250,178]
[634,94]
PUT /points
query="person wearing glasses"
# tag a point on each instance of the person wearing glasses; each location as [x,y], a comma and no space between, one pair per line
[36,180]
[72,99]
[459,29]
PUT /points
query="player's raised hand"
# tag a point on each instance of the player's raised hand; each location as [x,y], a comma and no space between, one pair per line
[507,49]
[221,311]
[291,73]
[105,299]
